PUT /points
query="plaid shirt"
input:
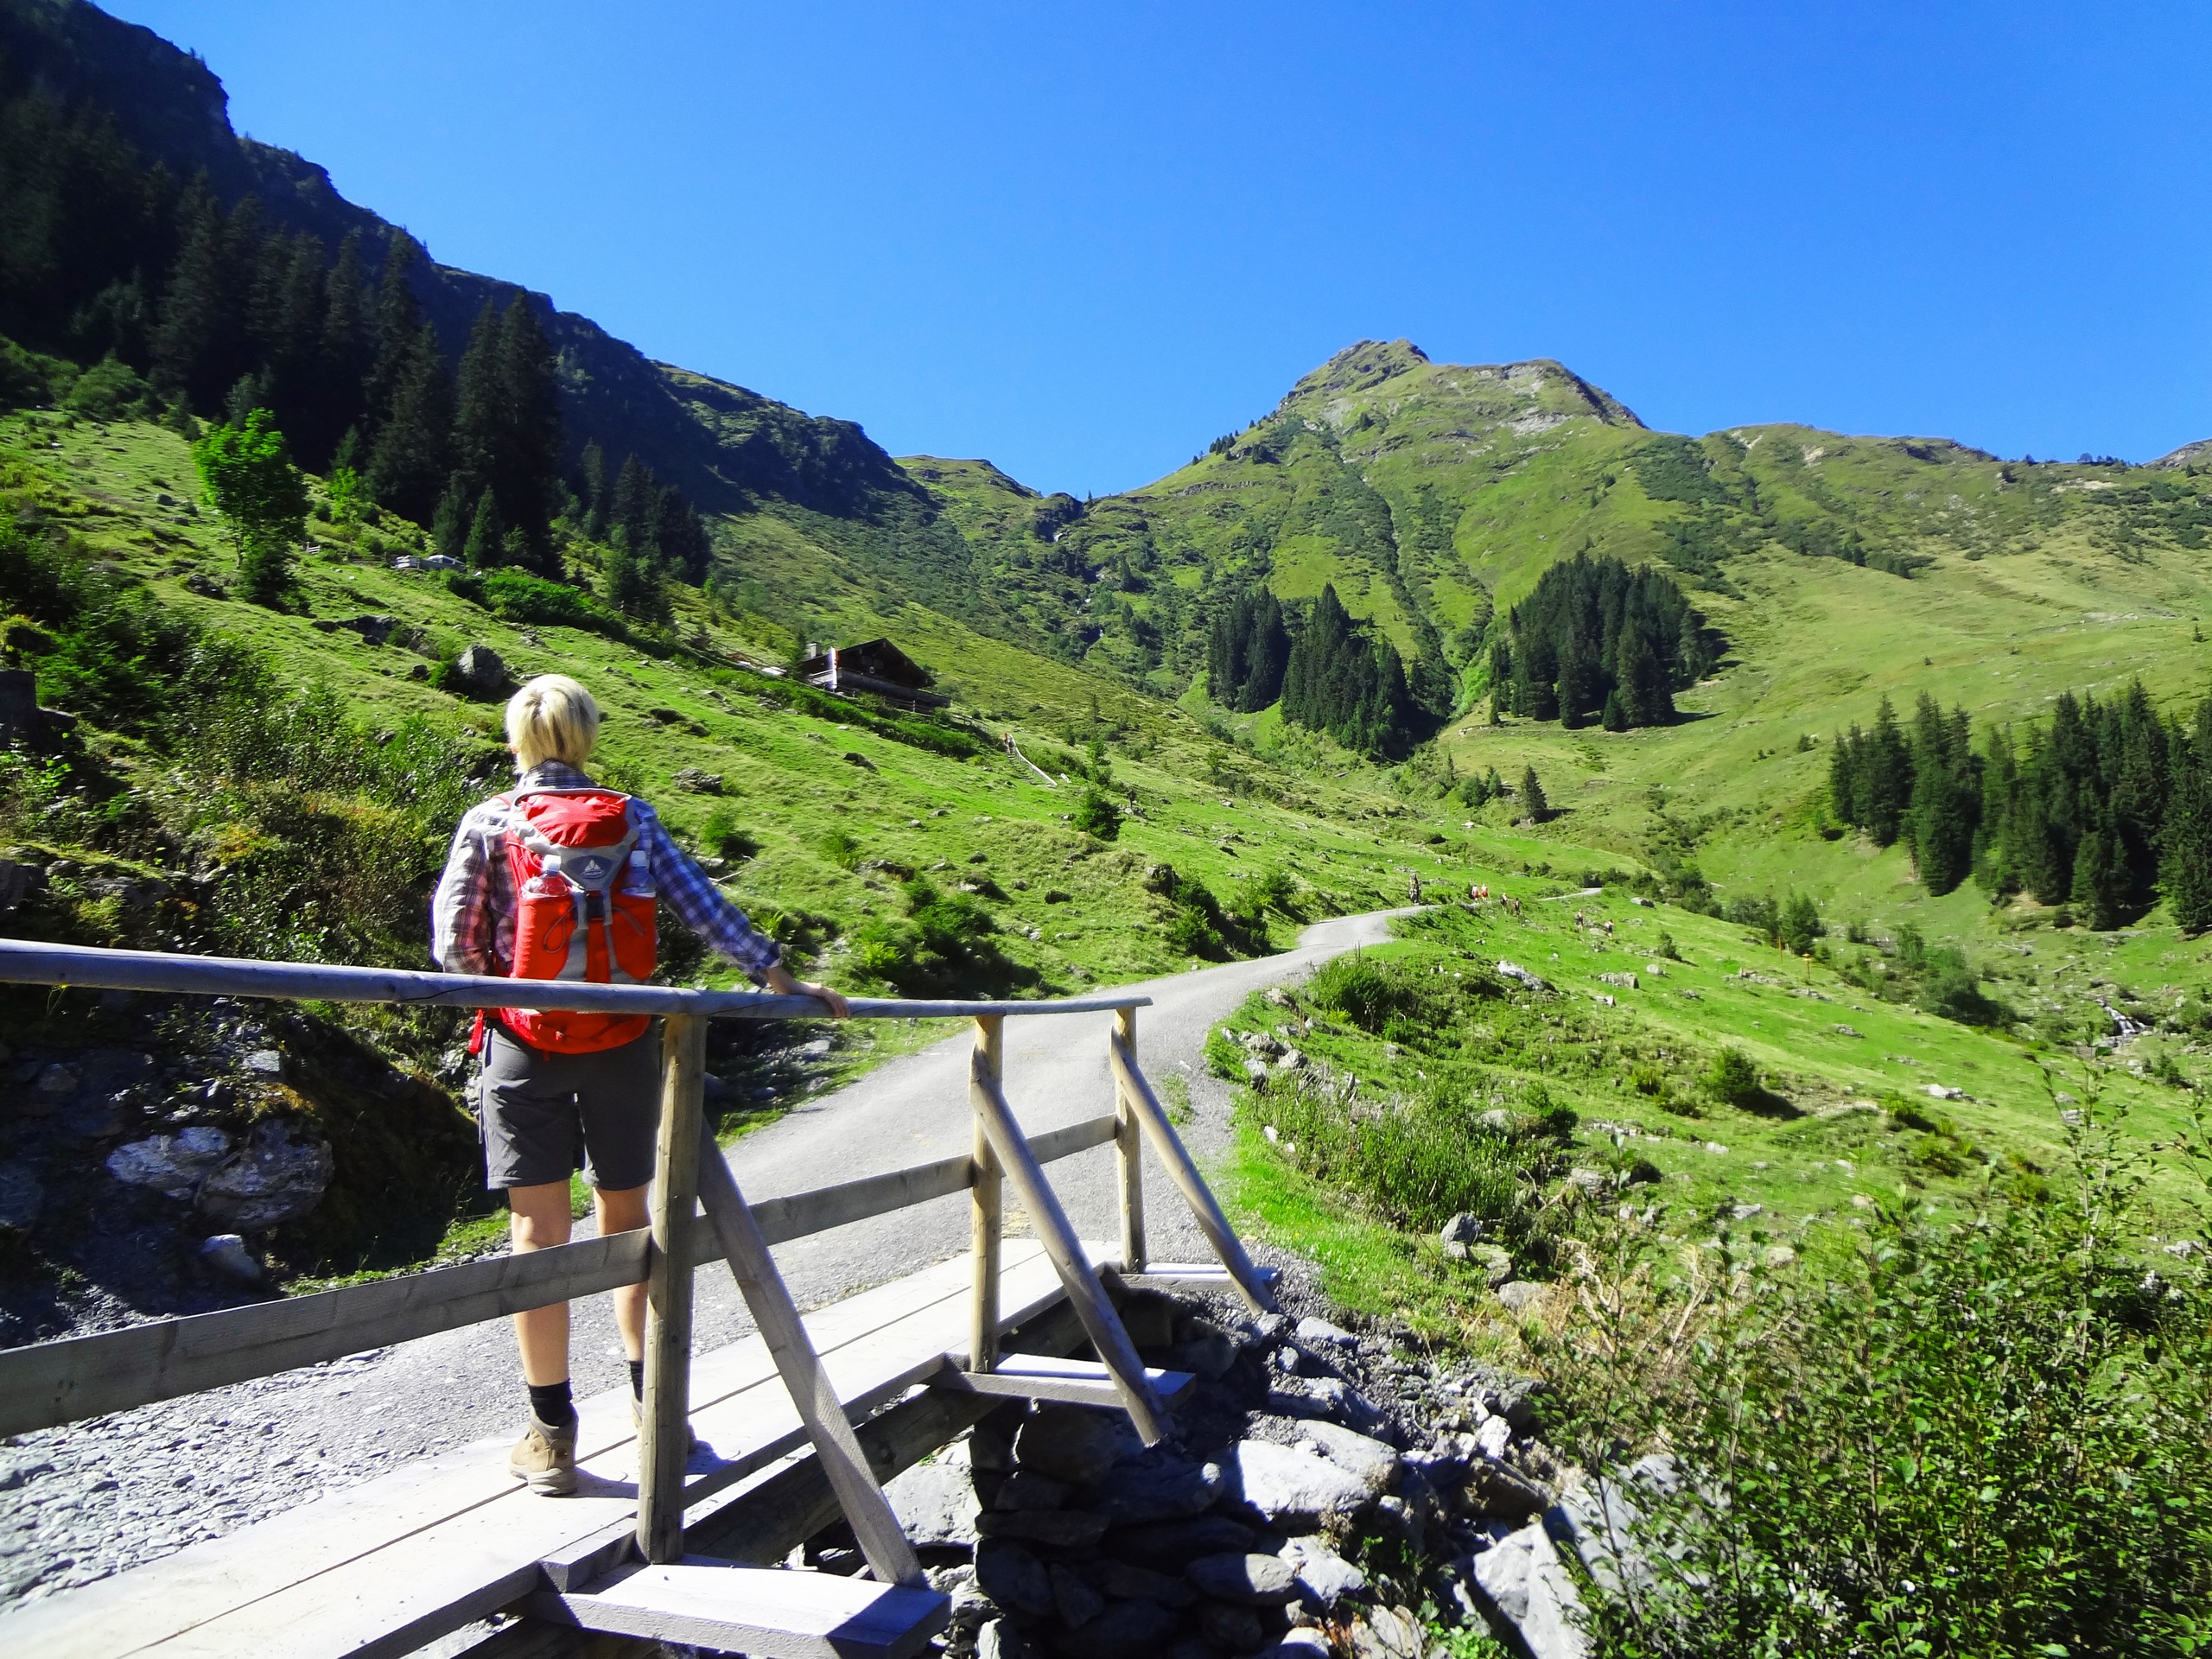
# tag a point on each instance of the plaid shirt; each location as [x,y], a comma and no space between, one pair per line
[473,914]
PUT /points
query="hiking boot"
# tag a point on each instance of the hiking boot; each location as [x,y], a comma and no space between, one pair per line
[544,1459]
[637,1422]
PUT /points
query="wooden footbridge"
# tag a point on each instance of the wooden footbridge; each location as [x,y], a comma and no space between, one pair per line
[796,1426]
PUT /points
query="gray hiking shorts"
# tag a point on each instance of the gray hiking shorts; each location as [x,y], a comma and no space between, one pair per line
[537,1107]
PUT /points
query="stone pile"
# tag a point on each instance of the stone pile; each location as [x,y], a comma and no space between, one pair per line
[1254,1528]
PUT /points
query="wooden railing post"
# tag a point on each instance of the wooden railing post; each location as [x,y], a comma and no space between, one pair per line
[663,1439]
[1128,1153]
[986,1209]
[1205,1210]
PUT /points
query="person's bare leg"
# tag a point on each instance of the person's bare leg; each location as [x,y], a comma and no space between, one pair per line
[538,1218]
[623,1210]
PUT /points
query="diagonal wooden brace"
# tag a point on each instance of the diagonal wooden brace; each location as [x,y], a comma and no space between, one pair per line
[877,1528]
[1176,1156]
[1057,1235]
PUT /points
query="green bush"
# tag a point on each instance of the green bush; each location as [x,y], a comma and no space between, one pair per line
[944,948]
[1972,1435]
[1366,992]
[519,596]
[28,379]
[1418,1163]
[722,836]
[1732,1080]
[110,390]
[1096,816]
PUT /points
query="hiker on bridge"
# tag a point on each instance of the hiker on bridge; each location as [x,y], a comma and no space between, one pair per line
[559,878]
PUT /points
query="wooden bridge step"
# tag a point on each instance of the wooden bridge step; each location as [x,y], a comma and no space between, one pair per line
[784,1612]
[1192,1275]
[1040,1376]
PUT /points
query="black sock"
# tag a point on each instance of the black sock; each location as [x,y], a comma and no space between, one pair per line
[551,1403]
[637,1379]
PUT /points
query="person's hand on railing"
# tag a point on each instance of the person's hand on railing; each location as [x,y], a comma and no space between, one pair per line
[781,982]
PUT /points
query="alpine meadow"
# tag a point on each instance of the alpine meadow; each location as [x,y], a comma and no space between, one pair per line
[1782,1078]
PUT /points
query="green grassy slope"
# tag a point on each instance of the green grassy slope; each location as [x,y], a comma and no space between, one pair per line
[1842,569]
[1070,908]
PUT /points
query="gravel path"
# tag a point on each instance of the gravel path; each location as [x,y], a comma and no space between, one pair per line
[80,1502]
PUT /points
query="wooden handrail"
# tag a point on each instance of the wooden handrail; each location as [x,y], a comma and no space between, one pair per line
[48,1383]
[26,962]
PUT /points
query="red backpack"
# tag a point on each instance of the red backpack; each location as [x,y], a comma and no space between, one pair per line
[585,909]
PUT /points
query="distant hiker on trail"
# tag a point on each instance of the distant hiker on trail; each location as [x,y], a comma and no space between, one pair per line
[560,879]
[1413,891]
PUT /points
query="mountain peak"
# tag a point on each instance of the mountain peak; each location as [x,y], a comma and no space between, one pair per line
[1368,363]
[1538,390]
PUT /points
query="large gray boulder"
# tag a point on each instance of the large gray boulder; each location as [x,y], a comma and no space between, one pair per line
[1059,1529]
[1170,1489]
[1325,1397]
[173,1164]
[1325,1578]
[1127,1630]
[1373,1463]
[1251,1580]
[936,1502]
[1287,1484]
[1168,1546]
[479,672]
[22,1195]
[280,1176]
[1526,1583]
[1011,1576]
[1075,1444]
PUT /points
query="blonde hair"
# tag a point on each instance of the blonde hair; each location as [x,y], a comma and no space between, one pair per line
[551,718]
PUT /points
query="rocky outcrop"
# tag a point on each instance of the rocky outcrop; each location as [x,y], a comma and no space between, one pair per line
[1245,1533]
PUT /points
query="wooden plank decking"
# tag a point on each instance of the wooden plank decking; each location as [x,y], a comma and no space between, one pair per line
[386,1566]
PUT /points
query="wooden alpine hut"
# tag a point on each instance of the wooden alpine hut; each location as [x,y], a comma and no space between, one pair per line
[878,668]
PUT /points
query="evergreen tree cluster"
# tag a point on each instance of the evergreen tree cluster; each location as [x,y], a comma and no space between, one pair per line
[1923,787]
[105,260]
[1247,652]
[1597,640]
[652,532]
[2107,808]
[1342,679]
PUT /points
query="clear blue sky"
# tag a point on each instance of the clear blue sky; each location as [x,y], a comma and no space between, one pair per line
[1083,240]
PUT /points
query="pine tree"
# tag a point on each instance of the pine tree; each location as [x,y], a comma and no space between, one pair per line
[398,329]
[1845,756]
[485,545]
[344,350]
[679,538]
[477,416]
[592,476]
[1799,924]
[451,524]
[411,457]
[1888,774]
[1995,869]
[1533,803]
[631,517]
[2185,843]
[2101,877]
[197,348]
[634,584]
[530,458]
[1941,817]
